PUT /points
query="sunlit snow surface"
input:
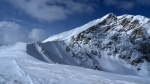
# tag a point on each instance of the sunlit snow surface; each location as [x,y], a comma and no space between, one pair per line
[17,67]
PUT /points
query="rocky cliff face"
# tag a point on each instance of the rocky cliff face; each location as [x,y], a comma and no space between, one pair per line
[116,37]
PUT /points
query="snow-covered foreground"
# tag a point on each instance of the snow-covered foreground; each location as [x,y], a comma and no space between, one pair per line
[17,67]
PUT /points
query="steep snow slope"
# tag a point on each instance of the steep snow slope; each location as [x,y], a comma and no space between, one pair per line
[118,44]
[68,34]
[51,52]
[17,67]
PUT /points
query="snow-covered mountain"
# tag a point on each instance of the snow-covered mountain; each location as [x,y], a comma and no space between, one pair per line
[116,44]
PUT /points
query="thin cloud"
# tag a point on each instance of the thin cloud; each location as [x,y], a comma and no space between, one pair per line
[143,2]
[16,20]
[123,4]
[11,32]
[126,4]
[51,10]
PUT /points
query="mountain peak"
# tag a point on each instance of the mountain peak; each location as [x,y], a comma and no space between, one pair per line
[111,15]
[107,18]
[123,37]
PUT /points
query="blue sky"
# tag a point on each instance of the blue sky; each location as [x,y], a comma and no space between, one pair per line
[56,16]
